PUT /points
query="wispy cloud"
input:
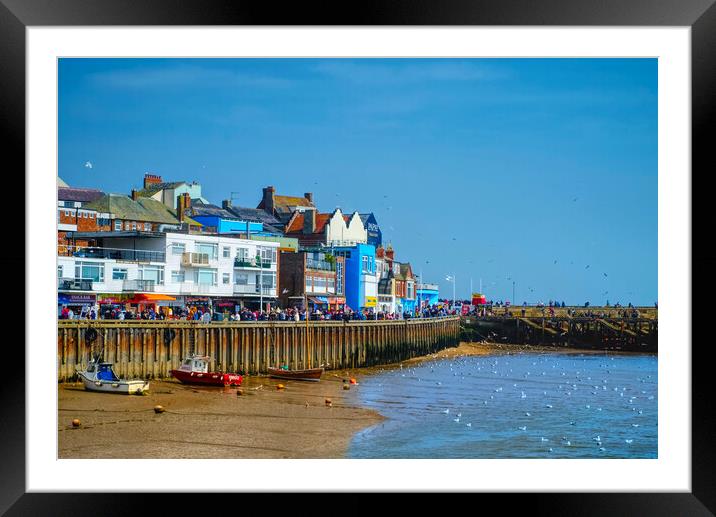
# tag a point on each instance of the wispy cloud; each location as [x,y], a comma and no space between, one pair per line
[410,72]
[184,76]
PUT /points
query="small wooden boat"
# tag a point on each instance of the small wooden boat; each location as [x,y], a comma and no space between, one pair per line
[310,374]
[99,376]
[195,370]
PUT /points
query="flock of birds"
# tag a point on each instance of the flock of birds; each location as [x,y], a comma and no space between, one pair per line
[550,388]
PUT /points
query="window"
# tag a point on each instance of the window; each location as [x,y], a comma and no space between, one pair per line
[309,283]
[67,213]
[206,276]
[178,248]
[365,264]
[331,284]
[177,277]
[226,252]
[59,271]
[154,273]
[339,277]
[127,226]
[89,271]
[268,281]
[241,279]
[210,249]
[102,221]
[118,226]
[226,277]
[242,254]
[147,227]
[134,226]
[119,274]
[91,215]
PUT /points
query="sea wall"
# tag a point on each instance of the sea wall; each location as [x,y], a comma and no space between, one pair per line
[150,349]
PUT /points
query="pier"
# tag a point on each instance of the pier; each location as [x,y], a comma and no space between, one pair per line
[150,349]
[594,332]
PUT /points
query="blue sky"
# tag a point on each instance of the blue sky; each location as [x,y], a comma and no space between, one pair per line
[524,170]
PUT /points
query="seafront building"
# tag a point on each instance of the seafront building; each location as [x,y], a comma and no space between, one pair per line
[167,246]
[361,282]
[169,269]
[314,277]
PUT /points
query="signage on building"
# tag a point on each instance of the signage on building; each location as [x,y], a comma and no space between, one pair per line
[112,298]
[371,301]
[76,299]
[339,300]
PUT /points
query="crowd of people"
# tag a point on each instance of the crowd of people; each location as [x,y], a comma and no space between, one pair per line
[446,308]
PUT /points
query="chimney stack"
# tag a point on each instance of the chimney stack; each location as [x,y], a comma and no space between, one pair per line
[183,202]
[151,179]
[390,253]
[135,195]
[226,204]
[309,221]
[309,196]
[268,199]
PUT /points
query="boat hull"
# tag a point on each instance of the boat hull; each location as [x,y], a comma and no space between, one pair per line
[208,379]
[312,374]
[123,387]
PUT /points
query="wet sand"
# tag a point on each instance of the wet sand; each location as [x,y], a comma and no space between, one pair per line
[202,422]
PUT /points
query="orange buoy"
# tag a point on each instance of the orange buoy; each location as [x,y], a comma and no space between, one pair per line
[353,381]
[76,422]
[280,386]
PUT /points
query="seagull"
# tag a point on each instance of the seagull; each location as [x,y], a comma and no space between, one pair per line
[469,424]
[587,267]
[544,440]
[523,428]
[628,441]
[88,165]
[456,419]
[605,274]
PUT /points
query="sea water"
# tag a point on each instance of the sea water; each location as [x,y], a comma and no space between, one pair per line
[524,405]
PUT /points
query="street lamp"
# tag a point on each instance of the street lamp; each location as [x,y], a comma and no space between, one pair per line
[450,278]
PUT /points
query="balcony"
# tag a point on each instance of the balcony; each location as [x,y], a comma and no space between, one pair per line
[194,259]
[119,254]
[145,286]
[320,265]
[252,263]
[75,284]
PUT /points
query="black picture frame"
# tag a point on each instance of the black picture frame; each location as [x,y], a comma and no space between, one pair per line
[700,15]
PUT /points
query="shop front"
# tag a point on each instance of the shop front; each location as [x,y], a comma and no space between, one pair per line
[318,303]
[141,302]
[79,304]
[336,303]
[226,306]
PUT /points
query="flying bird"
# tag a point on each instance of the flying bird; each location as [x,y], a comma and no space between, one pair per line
[587,267]
[605,274]
[88,165]
[555,261]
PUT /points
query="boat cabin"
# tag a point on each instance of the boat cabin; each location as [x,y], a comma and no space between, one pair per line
[102,371]
[195,363]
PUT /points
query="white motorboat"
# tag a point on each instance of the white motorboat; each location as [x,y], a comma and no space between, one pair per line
[100,376]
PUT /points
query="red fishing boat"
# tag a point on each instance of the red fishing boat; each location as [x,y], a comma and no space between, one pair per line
[195,370]
[310,374]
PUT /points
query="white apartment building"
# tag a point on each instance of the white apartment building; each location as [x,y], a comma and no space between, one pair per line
[181,265]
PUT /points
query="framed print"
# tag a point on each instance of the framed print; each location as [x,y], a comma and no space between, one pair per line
[118,99]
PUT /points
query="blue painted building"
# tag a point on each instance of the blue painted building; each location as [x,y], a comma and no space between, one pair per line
[229,225]
[360,276]
[427,294]
[375,236]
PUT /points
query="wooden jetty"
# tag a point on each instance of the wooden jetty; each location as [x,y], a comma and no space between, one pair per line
[602,333]
[150,349]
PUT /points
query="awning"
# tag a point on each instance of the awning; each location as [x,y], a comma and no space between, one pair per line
[142,297]
[318,299]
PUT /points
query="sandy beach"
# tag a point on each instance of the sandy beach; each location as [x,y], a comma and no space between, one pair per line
[202,422]
[262,422]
